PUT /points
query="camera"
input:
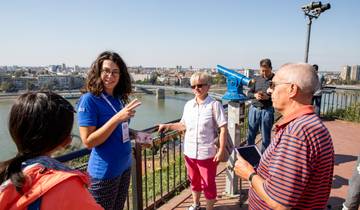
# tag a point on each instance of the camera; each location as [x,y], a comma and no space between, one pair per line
[312,5]
[315,8]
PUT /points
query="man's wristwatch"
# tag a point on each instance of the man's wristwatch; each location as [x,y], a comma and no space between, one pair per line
[251,177]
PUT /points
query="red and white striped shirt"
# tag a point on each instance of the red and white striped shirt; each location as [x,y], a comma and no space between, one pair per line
[298,165]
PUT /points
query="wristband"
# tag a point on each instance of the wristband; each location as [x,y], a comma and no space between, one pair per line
[251,177]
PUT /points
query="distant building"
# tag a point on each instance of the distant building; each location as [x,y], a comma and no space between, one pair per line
[184,82]
[25,83]
[355,73]
[54,68]
[345,73]
[76,68]
[179,68]
[139,77]
[60,82]
[4,78]
[63,67]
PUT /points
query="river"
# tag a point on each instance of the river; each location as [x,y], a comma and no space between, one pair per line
[151,112]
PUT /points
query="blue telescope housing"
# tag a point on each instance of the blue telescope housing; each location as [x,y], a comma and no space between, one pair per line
[235,82]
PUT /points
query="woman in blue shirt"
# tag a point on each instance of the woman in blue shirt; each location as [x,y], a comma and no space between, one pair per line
[103,125]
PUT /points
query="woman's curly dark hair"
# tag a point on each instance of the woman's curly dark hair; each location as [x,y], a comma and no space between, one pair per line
[94,83]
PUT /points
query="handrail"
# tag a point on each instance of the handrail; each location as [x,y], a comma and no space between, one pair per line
[172,161]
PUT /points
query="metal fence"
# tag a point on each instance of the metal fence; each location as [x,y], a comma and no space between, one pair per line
[158,170]
[340,102]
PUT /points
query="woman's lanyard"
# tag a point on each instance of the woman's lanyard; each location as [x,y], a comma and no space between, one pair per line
[110,104]
[124,125]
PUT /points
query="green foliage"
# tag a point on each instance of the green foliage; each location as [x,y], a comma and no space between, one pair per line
[20,73]
[153,78]
[141,82]
[347,82]
[351,113]
[173,179]
[219,79]
[8,86]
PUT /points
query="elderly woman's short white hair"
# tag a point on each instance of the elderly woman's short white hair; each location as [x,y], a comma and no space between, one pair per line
[200,76]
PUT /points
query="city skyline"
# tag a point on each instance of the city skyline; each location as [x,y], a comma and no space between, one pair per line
[236,34]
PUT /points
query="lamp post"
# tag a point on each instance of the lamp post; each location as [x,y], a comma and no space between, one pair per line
[312,10]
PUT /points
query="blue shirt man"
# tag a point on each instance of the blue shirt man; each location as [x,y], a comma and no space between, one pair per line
[261,111]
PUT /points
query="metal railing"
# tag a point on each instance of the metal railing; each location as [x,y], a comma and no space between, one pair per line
[340,102]
[158,170]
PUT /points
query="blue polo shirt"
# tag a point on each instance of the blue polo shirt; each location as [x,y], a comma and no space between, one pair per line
[113,157]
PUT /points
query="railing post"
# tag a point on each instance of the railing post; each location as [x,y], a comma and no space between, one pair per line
[136,177]
[236,117]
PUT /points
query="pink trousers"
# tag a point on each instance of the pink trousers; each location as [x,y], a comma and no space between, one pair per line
[202,176]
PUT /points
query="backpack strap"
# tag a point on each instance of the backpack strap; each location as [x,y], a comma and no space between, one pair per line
[214,114]
[215,124]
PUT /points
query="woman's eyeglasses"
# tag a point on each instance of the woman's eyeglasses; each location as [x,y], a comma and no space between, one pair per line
[197,86]
[108,72]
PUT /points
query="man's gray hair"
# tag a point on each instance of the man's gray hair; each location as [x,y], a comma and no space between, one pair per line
[301,74]
[200,75]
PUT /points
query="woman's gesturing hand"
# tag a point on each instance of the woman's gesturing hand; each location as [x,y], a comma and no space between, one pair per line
[128,111]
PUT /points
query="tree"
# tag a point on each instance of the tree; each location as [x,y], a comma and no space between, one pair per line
[30,85]
[153,78]
[54,84]
[219,79]
[8,86]
[19,73]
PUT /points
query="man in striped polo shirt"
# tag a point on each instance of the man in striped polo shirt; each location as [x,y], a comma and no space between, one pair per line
[296,169]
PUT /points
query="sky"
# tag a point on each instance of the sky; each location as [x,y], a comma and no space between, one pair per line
[168,33]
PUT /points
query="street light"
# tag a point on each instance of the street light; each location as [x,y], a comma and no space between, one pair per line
[312,10]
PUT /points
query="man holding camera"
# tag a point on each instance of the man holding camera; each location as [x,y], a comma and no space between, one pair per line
[261,111]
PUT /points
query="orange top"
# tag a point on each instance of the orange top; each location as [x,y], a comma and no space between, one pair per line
[59,190]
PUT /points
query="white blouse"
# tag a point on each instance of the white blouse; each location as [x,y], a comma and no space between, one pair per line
[200,129]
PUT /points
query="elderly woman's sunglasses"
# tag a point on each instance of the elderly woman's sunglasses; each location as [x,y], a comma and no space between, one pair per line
[197,86]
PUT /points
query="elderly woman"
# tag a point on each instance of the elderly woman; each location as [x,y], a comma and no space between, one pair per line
[201,119]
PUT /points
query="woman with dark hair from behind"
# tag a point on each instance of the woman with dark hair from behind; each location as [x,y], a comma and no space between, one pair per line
[40,123]
[103,118]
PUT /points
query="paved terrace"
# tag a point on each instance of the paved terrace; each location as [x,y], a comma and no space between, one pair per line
[347,147]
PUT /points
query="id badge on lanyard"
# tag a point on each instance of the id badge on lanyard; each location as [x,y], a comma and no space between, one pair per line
[125,132]
[124,125]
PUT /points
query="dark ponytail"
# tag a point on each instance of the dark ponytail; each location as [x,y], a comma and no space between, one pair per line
[13,171]
[39,122]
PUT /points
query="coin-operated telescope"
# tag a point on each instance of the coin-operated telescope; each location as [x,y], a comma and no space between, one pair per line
[235,82]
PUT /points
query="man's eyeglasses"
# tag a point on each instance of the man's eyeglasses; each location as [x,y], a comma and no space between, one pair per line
[108,72]
[272,84]
[197,86]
